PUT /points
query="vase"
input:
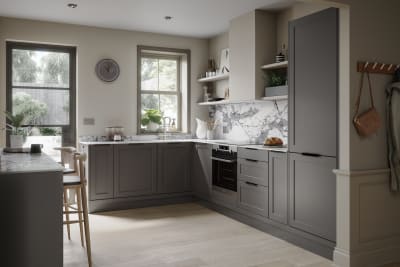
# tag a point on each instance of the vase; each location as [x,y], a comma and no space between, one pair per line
[201,130]
[16,141]
[152,127]
[210,134]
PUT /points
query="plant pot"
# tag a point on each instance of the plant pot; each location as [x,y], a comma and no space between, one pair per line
[16,141]
[152,127]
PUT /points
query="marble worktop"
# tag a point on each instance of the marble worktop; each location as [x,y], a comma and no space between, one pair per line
[26,163]
[202,141]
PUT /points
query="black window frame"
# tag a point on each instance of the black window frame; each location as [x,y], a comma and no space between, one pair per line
[68,131]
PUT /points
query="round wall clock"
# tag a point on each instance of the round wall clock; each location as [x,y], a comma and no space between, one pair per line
[107,70]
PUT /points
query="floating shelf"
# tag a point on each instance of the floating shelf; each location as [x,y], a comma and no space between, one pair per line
[275,98]
[279,65]
[227,102]
[219,77]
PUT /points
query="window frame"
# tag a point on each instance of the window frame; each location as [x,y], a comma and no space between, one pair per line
[68,131]
[163,53]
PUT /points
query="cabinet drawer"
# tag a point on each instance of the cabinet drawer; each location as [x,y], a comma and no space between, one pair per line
[253,198]
[252,153]
[253,171]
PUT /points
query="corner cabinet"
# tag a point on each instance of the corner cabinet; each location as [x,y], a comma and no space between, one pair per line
[173,167]
[101,172]
[202,171]
[135,170]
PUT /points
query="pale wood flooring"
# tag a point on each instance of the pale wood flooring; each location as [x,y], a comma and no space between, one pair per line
[184,235]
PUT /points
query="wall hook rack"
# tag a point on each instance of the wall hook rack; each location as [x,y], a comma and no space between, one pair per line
[376,67]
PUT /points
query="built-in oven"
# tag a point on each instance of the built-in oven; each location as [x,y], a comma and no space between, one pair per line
[224,166]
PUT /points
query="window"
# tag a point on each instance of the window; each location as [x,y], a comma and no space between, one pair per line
[41,86]
[160,88]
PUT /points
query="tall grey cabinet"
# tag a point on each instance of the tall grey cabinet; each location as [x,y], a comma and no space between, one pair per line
[313,90]
[135,170]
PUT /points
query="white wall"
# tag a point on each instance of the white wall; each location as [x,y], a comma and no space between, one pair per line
[110,104]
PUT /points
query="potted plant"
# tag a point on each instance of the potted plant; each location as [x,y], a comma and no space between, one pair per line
[151,119]
[14,126]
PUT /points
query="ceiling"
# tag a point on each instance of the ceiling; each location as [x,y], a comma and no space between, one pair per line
[196,18]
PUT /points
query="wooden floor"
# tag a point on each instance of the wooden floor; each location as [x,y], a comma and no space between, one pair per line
[184,235]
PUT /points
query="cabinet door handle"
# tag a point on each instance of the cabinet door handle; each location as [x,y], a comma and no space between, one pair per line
[311,154]
[251,160]
[249,148]
[252,184]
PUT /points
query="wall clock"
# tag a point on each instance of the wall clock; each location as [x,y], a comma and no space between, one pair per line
[107,70]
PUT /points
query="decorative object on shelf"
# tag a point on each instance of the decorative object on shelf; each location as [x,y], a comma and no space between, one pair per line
[201,130]
[368,122]
[279,58]
[276,78]
[206,94]
[224,61]
[226,93]
[211,69]
[151,119]
[107,70]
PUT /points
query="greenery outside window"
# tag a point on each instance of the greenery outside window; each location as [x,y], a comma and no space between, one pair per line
[161,89]
[41,86]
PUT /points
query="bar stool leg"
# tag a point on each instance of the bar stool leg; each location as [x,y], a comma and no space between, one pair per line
[86,222]
[67,214]
[80,211]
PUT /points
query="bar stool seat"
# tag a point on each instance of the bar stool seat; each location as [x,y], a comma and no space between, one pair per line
[71,180]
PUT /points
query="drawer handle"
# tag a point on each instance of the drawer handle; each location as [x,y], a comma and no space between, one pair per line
[250,183]
[252,160]
[311,155]
[249,148]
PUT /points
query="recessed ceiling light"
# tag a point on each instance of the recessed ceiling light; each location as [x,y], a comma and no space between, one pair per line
[167,17]
[72,5]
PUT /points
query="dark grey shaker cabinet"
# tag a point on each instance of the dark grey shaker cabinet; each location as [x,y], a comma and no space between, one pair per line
[278,187]
[313,83]
[312,199]
[202,171]
[135,169]
[253,198]
[173,167]
[101,172]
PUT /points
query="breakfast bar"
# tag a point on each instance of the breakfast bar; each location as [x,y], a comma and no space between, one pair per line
[31,196]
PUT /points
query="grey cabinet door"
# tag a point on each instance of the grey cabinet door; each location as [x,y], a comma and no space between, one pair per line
[278,187]
[202,171]
[135,169]
[313,83]
[253,198]
[101,172]
[173,167]
[312,193]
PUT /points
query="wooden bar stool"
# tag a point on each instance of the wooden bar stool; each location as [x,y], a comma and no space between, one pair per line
[78,184]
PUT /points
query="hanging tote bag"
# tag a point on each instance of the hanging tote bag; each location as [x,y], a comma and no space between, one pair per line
[367,122]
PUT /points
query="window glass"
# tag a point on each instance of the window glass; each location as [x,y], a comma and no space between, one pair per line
[168,75]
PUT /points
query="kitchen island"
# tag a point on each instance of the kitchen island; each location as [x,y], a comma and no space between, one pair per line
[32,224]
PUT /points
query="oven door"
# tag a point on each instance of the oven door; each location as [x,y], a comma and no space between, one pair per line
[224,173]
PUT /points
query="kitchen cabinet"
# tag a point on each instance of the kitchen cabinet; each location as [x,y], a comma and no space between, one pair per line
[101,172]
[202,171]
[251,44]
[135,169]
[278,187]
[313,83]
[253,198]
[254,171]
[312,195]
[173,167]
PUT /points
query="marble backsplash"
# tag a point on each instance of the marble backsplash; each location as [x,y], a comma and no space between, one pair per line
[252,122]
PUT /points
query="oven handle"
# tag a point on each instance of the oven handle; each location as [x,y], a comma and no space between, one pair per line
[224,160]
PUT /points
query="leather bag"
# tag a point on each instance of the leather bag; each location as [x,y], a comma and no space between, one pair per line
[367,122]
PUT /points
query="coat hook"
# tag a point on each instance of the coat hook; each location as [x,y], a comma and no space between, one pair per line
[366,65]
[383,65]
[390,67]
[398,66]
[376,63]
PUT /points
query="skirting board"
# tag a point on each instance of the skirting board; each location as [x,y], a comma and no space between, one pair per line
[368,219]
